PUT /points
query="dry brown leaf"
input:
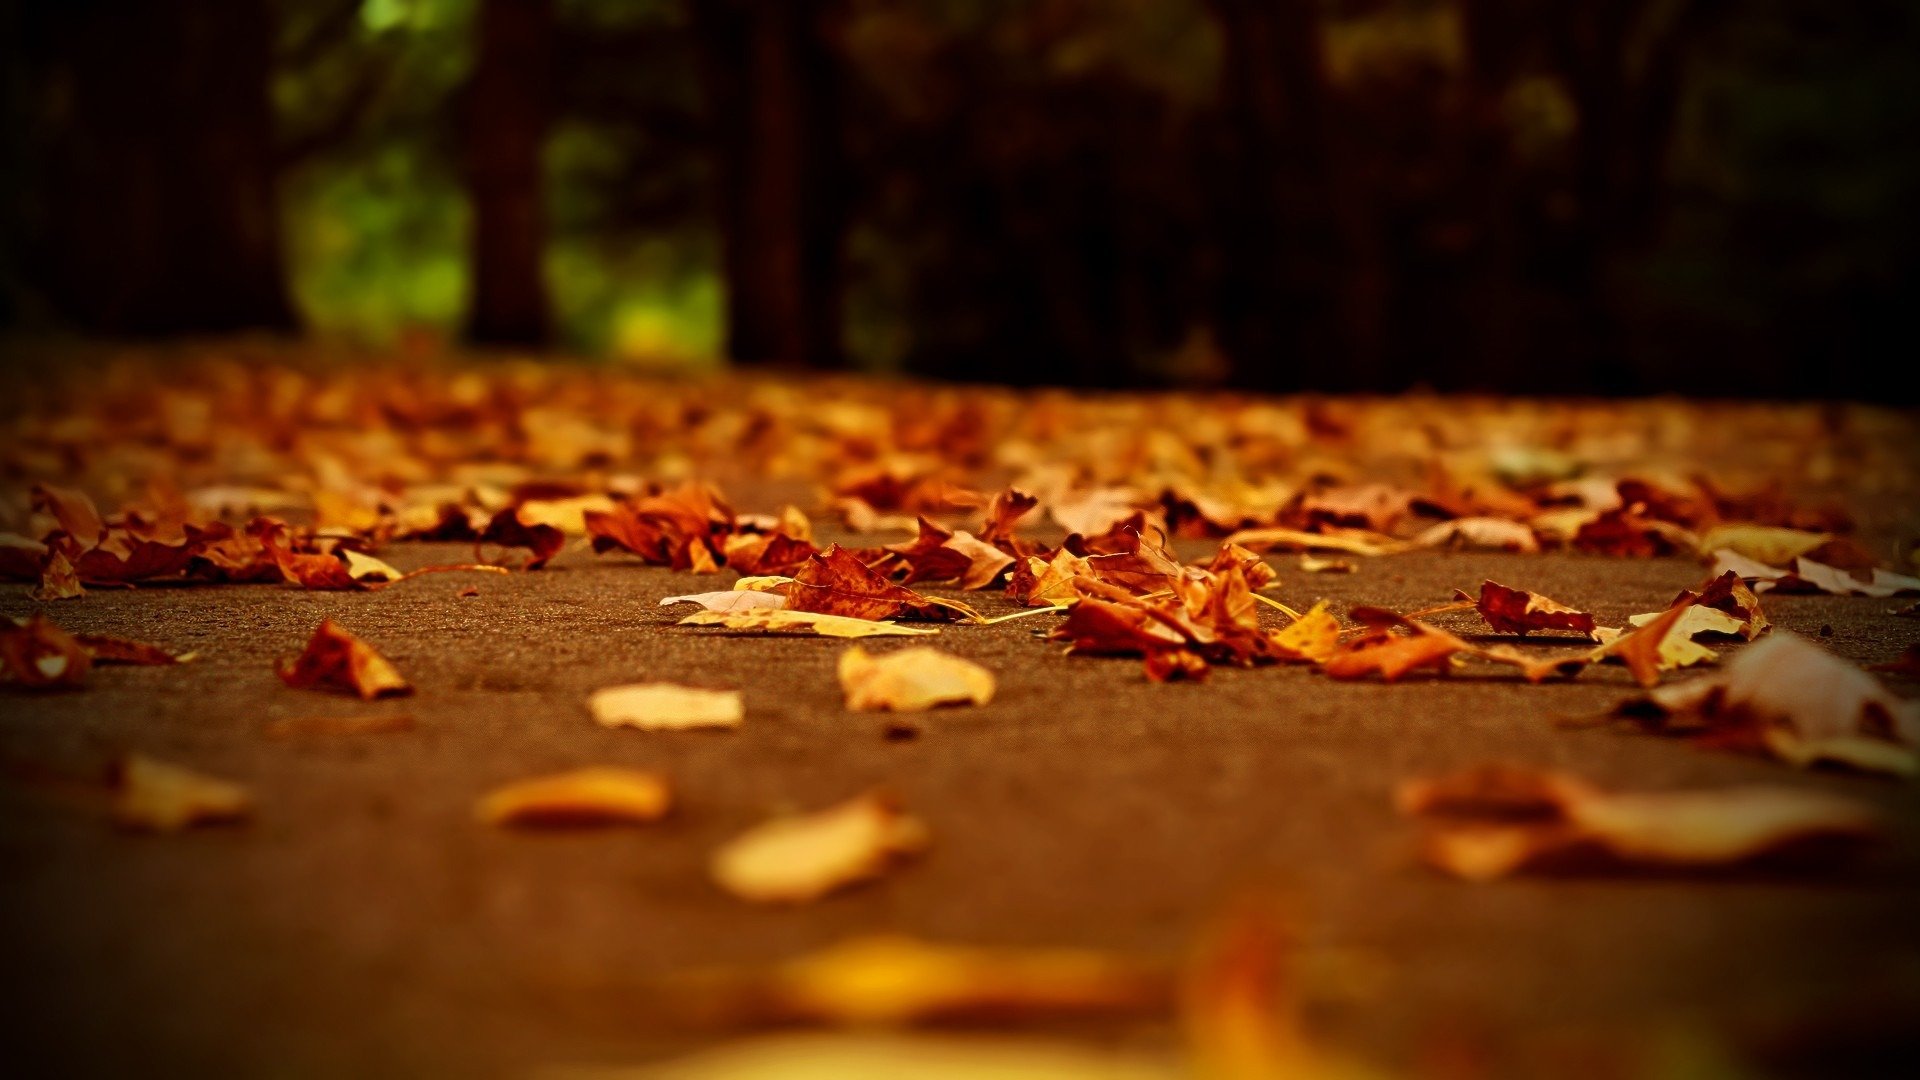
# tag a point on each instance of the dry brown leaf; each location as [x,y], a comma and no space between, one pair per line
[911,680]
[58,581]
[1495,820]
[1656,648]
[1512,611]
[793,860]
[600,795]
[778,619]
[160,797]
[834,582]
[38,655]
[335,658]
[1789,697]
[660,706]
[1393,656]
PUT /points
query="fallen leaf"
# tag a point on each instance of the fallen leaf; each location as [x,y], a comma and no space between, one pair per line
[1512,611]
[335,658]
[730,600]
[778,619]
[601,795]
[1313,637]
[1656,647]
[114,650]
[834,582]
[1393,656]
[1768,545]
[660,706]
[797,859]
[1789,697]
[911,680]
[154,795]
[1495,820]
[58,581]
[1479,534]
[40,656]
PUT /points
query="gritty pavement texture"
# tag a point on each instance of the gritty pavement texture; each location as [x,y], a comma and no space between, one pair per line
[364,924]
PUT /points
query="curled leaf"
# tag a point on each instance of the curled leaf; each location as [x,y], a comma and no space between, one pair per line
[1495,820]
[601,795]
[1512,611]
[798,859]
[40,656]
[335,658]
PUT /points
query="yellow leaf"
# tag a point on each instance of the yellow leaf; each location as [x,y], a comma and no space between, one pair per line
[160,797]
[663,706]
[601,795]
[796,859]
[911,680]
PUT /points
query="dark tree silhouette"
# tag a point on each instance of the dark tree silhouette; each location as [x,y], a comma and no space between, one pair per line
[772,93]
[507,116]
[150,166]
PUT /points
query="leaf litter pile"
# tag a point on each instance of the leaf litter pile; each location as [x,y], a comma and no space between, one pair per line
[1065,513]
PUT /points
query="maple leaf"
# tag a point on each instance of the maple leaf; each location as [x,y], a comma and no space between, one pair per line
[1513,611]
[1003,513]
[1494,820]
[59,580]
[942,554]
[834,582]
[798,859]
[678,528]
[771,553]
[335,658]
[1723,606]
[660,706]
[1348,542]
[601,795]
[912,680]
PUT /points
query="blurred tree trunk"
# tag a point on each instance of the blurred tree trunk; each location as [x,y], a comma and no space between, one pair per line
[508,111]
[1304,277]
[772,94]
[151,176]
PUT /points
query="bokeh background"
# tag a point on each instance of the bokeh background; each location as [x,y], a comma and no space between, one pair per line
[1608,196]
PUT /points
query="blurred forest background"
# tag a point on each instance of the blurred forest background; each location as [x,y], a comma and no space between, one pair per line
[1609,196]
